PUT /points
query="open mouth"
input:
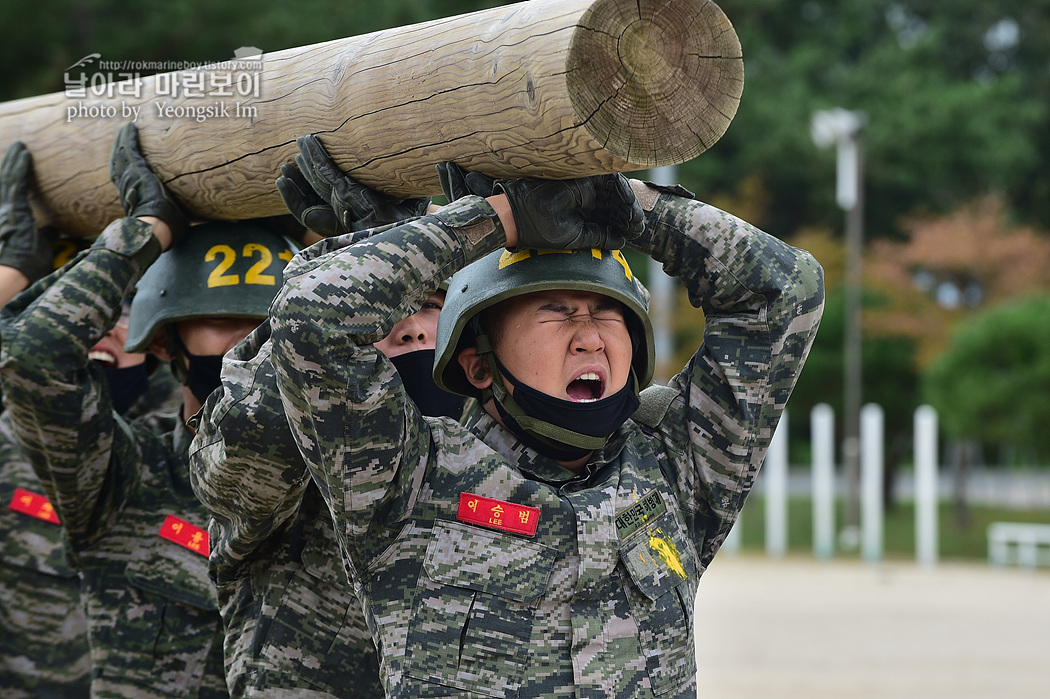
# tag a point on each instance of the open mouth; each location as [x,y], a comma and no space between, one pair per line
[587,388]
[103,357]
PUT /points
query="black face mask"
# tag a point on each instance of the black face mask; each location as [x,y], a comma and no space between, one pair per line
[126,385]
[204,374]
[598,419]
[417,374]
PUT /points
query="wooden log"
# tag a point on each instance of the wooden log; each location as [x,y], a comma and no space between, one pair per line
[547,88]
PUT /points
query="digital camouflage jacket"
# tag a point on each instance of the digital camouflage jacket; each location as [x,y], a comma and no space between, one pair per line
[291,617]
[595,597]
[44,644]
[44,647]
[120,489]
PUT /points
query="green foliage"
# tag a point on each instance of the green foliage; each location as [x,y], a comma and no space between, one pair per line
[949,118]
[993,382]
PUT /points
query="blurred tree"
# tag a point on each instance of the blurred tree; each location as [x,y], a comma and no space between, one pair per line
[956,93]
[950,267]
[993,382]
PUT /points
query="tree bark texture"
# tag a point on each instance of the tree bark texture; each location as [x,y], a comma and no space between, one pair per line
[546,88]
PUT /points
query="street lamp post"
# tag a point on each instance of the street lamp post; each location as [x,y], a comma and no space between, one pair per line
[844,129]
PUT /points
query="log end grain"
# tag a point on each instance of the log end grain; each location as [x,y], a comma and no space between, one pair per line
[655,83]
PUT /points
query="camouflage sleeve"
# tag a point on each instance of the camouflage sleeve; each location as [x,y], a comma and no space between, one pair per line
[245,466]
[762,301]
[360,435]
[58,401]
[337,242]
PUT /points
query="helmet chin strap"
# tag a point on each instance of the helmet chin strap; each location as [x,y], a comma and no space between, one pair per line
[180,366]
[550,434]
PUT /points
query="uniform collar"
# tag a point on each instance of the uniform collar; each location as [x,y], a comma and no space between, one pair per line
[533,464]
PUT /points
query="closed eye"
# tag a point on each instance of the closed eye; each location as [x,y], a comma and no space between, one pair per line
[609,311]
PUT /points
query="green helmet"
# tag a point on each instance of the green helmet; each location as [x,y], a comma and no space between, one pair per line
[229,269]
[504,274]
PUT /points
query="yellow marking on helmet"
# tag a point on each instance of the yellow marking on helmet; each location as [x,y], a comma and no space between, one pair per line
[255,274]
[667,550]
[508,258]
[62,252]
[219,276]
[618,256]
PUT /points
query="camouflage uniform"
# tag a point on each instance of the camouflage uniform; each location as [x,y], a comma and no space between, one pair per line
[153,622]
[292,619]
[598,602]
[44,647]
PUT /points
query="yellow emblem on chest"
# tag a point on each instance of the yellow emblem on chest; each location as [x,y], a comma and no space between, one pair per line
[668,552]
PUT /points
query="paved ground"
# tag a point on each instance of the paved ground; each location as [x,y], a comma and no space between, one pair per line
[796,628]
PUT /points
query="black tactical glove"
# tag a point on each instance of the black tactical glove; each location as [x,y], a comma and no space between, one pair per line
[22,245]
[141,191]
[457,183]
[354,207]
[305,205]
[587,212]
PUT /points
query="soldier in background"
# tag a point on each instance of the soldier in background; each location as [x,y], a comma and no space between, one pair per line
[553,544]
[136,531]
[44,647]
[293,621]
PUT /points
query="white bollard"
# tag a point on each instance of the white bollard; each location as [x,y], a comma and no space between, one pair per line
[822,425]
[871,468]
[776,470]
[926,497]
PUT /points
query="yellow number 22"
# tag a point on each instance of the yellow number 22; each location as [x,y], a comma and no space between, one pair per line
[254,275]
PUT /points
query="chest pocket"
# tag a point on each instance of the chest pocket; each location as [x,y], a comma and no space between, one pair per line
[662,571]
[474,614]
[173,572]
[171,619]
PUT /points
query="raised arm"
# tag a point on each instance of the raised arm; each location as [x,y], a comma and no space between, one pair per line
[762,301]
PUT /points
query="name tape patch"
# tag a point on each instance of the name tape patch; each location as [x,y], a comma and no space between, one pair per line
[185,534]
[635,517]
[34,505]
[498,514]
